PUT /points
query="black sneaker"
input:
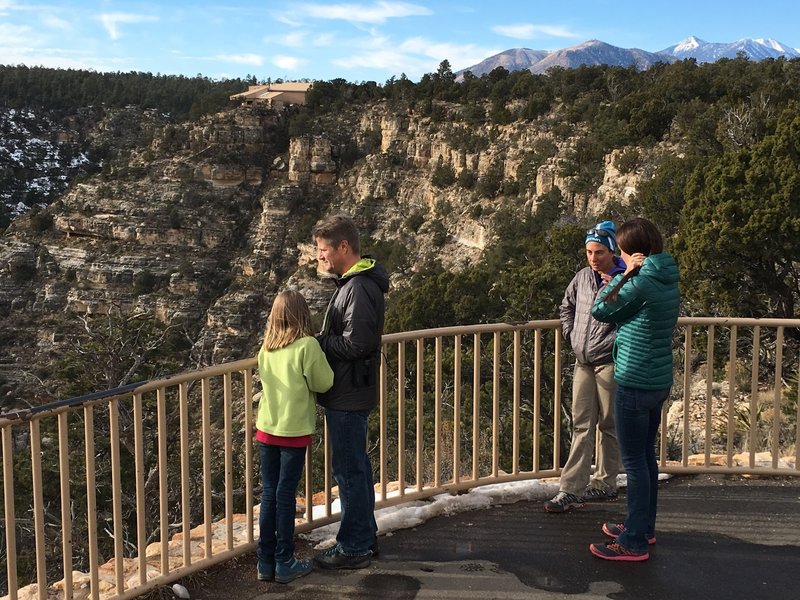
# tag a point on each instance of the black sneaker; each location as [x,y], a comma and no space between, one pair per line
[593,494]
[563,502]
[374,548]
[334,558]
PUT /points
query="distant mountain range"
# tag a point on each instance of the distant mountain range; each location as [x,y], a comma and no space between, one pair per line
[595,52]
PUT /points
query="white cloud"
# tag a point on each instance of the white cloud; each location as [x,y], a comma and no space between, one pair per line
[413,56]
[323,39]
[241,59]
[459,55]
[111,21]
[287,62]
[294,39]
[53,22]
[387,60]
[527,31]
[15,35]
[363,13]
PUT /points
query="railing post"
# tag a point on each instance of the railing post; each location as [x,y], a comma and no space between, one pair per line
[437,413]
[776,399]
[163,490]
[515,408]
[687,396]
[495,403]
[537,399]
[401,417]
[731,395]
[11,523]
[420,414]
[38,509]
[754,395]
[457,409]
[709,392]
[382,426]
[183,411]
[91,501]
[116,496]
[138,448]
[476,405]
[66,519]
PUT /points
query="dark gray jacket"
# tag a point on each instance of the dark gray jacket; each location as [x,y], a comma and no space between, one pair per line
[591,340]
[351,337]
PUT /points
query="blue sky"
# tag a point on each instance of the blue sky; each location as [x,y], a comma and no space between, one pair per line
[361,40]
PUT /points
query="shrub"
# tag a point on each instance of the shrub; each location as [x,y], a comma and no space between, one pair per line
[443,175]
[143,282]
[628,160]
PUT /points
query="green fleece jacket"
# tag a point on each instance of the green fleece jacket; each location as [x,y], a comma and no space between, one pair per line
[645,313]
[290,378]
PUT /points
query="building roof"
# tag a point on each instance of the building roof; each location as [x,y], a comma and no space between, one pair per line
[271,90]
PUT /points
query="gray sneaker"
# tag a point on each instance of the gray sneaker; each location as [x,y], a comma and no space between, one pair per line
[334,558]
[593,494]
[563,502]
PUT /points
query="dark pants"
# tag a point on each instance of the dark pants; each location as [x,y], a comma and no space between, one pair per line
[281,467]
[353,473]
[638,416]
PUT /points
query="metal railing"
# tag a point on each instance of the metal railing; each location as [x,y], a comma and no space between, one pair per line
[113,494]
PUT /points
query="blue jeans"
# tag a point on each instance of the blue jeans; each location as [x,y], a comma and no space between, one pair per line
[638,416]
[281,467]
[353,473]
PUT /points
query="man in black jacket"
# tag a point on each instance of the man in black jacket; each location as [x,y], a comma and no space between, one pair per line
[351,338]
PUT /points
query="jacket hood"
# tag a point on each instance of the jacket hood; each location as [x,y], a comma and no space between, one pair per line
[371,268]
[661,267]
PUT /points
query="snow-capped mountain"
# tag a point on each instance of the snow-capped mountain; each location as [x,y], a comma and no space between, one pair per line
[754,49]
[595,52]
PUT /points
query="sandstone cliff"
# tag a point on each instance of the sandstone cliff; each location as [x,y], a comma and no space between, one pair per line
[199,224]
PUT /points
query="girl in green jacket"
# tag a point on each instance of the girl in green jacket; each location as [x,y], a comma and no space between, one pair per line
[643,302]
[292,368]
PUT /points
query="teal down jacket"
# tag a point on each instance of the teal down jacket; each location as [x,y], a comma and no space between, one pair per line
[645,313]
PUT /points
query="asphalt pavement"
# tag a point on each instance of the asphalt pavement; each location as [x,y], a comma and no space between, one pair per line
[717,537]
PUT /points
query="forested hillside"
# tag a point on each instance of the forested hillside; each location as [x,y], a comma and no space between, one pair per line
[475,194]
[67,90]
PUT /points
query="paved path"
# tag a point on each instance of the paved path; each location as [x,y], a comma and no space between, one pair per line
[718,537]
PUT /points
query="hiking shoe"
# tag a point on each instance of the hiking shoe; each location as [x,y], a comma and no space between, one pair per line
[289,570]
[266,570]
[563,502]
[613,530]
[613,551]
[334,558]
[593,494]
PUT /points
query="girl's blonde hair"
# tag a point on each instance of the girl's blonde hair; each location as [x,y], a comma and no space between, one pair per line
[289,320]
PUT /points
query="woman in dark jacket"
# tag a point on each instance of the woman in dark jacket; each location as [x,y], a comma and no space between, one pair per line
[643,303]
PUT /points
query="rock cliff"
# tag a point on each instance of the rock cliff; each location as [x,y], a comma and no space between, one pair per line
[200,223]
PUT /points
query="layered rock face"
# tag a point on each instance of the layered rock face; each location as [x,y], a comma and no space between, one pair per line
[201,223]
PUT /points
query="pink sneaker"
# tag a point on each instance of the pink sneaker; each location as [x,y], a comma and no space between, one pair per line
[613,530]
[613,551]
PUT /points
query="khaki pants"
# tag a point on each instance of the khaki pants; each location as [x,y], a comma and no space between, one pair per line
[593,390]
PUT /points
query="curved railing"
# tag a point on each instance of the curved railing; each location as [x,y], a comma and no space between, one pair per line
[143,485]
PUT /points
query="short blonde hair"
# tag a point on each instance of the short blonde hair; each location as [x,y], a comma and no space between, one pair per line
[289,320]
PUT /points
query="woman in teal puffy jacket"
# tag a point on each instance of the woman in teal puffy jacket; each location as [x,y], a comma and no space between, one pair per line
[643,302]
